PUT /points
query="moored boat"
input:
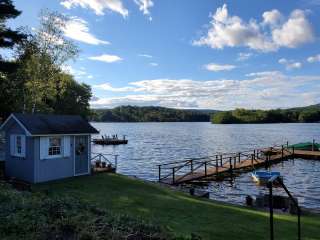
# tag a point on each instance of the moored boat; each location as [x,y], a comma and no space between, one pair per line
[263,176]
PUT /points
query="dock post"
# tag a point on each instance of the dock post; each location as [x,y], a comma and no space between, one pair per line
[230,163]
[287,144]
[292,151]
[205,168]
[252,158]
[173,173]
[159,169]
[271,210]
[254,154]
[216,165]
[281,152]
[191,165]
[221,160]
[235,161]
[239,155]
[313,142]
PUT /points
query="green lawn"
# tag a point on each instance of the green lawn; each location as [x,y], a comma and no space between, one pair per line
[179,212]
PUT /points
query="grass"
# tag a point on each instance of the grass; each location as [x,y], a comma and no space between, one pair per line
[178,212]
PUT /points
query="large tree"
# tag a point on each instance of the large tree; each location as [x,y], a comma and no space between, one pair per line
[8,37]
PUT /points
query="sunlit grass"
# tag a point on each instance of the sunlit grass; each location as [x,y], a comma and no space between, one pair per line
[178,211]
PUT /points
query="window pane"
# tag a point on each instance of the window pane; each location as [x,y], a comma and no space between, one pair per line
[54,146]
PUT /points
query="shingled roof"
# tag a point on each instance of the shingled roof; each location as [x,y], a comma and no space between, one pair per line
[43,124]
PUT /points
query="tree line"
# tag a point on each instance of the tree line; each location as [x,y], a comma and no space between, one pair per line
[303,114]
[149,114]
[33,79]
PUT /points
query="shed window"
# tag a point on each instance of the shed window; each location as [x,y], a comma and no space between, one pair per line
[54,146]
[17,145]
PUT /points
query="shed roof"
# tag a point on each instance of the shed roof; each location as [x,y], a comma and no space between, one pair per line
[46,124]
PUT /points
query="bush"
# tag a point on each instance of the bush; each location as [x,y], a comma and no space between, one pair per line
[33,216]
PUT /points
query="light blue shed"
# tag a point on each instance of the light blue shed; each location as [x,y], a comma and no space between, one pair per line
[41,147]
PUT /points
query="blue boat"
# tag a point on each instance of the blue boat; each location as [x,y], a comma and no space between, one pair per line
[263,176]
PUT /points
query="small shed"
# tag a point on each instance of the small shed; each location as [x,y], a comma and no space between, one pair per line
[40,147]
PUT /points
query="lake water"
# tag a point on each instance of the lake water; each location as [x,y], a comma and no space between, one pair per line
[155,143]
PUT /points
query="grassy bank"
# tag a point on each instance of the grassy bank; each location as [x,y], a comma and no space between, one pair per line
[178,212]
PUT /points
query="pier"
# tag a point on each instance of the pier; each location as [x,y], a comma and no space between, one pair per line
[222,165]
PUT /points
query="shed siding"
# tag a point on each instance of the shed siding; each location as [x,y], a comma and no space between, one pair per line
[55,168]
[18,167]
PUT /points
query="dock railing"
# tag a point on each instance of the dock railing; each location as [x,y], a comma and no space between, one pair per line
[180,171]
[110,160]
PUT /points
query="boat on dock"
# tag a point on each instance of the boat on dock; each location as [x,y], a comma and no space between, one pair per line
[307,146]
[263,176]
[114,140]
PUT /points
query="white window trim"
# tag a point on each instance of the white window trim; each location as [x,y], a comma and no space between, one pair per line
[61,148]
[15,152]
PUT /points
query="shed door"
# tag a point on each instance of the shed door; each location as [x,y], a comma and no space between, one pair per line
[81,155]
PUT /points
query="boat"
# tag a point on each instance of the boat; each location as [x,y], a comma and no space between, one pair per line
[263,176]
[308,146]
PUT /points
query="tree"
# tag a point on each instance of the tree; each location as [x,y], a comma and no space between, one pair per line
[8,37]
[42,57]
[75,99]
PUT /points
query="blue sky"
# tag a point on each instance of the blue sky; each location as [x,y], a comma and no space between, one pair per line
[192,54]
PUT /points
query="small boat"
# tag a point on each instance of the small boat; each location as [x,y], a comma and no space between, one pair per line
[263,176]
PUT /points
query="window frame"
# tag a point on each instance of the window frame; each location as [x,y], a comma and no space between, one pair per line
[50,156]
[22,152]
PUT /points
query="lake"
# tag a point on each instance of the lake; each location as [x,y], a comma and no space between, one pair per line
[155,143]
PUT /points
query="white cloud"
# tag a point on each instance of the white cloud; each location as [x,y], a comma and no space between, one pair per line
[153,64]
[290,64]
[145,55]
[108,87]
[314,59]
[273,17]
[218,67]
[294,32]
[269,35]
[98,6]
[260,90]
[242,56]
[77,29]
[144,6]
[106,58]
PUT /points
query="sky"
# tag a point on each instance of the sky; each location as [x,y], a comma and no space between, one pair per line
[202,54]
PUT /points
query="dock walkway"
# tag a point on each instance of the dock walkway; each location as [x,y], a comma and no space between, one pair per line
[221,165]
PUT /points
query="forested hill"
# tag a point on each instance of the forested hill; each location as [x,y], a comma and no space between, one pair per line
[300,114]
[150,114]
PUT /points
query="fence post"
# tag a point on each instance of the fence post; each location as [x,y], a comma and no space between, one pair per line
[159,168]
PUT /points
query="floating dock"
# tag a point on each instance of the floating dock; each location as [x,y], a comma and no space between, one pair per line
[221,165]
[110,141]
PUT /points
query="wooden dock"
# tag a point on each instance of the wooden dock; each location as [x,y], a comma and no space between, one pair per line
[222,165]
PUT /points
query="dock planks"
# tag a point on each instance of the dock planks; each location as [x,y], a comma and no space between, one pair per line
[235,164]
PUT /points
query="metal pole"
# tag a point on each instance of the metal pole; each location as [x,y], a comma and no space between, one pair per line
[271,210]
[116,161]
[159,168]
[173,172]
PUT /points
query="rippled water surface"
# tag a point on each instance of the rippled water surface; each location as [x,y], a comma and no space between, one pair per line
[155,143]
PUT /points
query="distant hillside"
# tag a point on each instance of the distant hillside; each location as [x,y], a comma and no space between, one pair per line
[150,114]
[291,115]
